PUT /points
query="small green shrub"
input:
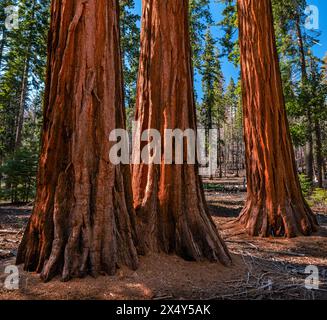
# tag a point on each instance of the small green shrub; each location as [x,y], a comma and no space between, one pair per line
[319,197]
[306,185]
[213,187]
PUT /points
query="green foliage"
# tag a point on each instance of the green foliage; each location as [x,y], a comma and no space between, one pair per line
[298,133]
[23,71]
[306,184]
[229,24]
[130,39]
[212,84]
[233,103]
[213,187]
[319,198]
[200,21]
[19,176]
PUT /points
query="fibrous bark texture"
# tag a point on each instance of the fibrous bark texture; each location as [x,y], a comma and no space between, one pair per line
[275,205]
[83,220]
[172,215]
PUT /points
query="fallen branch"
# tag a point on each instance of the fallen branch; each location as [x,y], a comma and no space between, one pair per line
[166,297]
[288,253]
[243,293]
[245,242]
[295,254]
[9,231]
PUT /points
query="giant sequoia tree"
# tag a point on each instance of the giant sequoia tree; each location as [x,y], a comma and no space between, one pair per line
[275,205]
[82,221]
[171,210]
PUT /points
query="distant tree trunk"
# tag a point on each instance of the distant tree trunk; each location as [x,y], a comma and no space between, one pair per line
[2,44]
[210,122]
[275,205]
[237,162]
[319,157]
[309,158]
[22,103]
[24,87]
[319,160]
[232,137]
[171,209]
[82,222]
[226,159]
[219,151]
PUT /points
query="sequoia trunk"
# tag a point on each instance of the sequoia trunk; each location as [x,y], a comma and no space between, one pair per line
[82,222]
[275,205]
[172,214]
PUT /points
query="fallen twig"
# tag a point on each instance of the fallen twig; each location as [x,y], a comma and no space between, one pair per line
[243,293]
[8,231]
[166,297]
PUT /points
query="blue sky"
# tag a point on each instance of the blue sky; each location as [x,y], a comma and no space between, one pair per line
[320,50]
[228,69]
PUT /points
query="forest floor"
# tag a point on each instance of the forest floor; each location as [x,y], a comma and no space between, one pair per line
[262,268]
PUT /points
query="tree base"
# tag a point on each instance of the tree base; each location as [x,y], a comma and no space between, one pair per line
[199,242]
[70,261]
[290,221]
[70,240]
[180,223]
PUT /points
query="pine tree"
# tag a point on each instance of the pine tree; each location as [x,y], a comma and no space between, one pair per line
[200,19]
[294,47]
[219,115]
[212,107]
[23,71]
[229,26]
[324,68]
[317,91]
[234,126]
[130,38]
[209,74]
[19,173]
[3,30]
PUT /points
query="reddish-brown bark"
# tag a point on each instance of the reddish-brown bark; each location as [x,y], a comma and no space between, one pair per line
[172,214]
[275,204]
[82,221]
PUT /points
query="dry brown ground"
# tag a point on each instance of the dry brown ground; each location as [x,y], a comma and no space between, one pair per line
[263,268]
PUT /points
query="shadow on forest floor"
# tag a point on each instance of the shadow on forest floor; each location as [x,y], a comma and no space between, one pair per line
[14,216]
[225,205]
